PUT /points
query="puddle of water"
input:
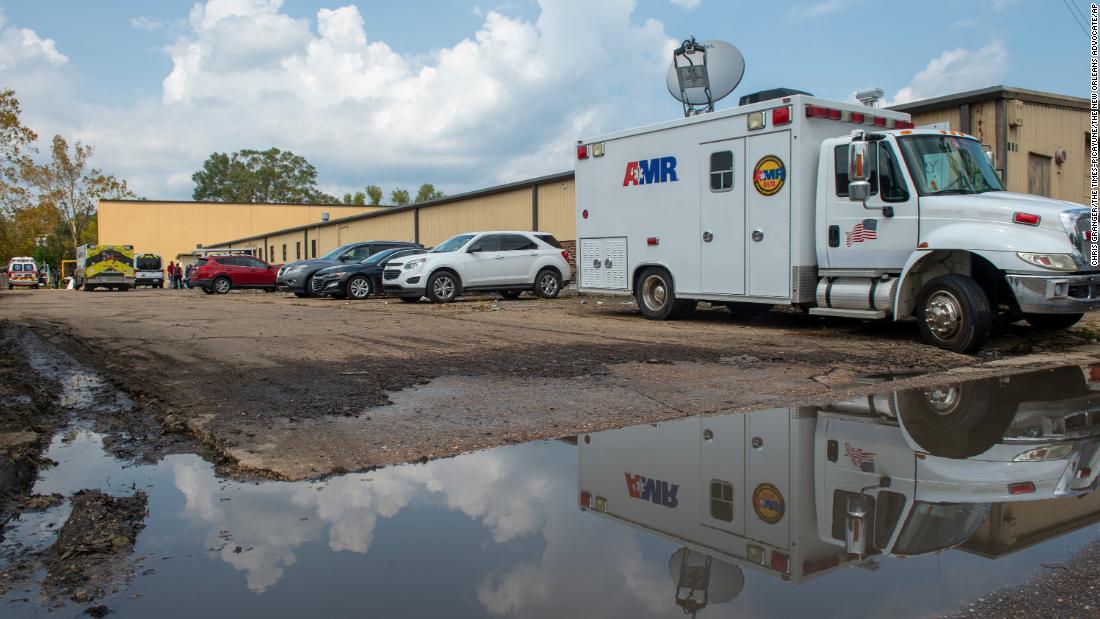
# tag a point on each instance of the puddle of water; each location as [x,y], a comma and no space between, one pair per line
[738,514]
[82,390]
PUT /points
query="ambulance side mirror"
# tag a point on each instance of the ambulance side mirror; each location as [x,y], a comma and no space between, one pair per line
[859,191]
[859,187]
[855,526]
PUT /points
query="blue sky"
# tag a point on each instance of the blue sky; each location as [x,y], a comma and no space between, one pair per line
[464,94]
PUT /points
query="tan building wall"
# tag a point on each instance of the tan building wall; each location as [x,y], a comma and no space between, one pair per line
[502,211]
[1045,130]
[173,228]
[557,209]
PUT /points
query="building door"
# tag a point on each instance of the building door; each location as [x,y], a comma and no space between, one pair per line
[768,215]
[722,229]
[1038,175]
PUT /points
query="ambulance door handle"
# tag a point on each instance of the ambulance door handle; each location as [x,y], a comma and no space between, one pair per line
[596,263]
[758,235]
[708,236]
[607,263]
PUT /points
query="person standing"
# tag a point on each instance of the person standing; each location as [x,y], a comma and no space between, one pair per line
[171,274]
[187,276]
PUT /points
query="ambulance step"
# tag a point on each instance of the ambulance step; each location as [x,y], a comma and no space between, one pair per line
[848,313]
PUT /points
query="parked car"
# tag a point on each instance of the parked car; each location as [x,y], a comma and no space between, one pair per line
[297,277]
[220,274]
[361,279]
[505,262]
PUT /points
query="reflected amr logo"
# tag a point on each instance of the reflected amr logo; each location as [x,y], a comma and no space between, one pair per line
[652,490]
[649,171]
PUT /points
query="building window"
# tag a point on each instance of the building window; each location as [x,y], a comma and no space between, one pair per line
[721,500]
[271,253]
[721,171]
[313,248]
[284,252]
[298,250]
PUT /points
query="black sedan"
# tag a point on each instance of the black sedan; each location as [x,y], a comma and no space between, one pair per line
[358,280]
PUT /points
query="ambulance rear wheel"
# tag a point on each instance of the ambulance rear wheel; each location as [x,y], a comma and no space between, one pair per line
[656,296]
[953,313]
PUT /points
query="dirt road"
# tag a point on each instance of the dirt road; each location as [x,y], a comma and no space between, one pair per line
[297,388]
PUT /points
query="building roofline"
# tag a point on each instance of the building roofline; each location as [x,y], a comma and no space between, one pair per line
[993,92]
[531,182]
[200,202]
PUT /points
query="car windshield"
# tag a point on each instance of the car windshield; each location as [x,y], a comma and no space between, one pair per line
[936,526]
[452,244]
[336,253]
[943,164]
[380,256]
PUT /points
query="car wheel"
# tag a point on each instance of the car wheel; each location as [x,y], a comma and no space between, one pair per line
[547,284]
[410,299]
[358,288]
[953,313]
[656,296]
[511,295]
[443,287]
[222,285]
[1052,322]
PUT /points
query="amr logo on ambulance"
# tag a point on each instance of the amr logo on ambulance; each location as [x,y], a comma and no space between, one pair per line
[650,171]
[769,175]
[652,490]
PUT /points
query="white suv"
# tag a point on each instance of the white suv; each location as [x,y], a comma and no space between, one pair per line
[504,262]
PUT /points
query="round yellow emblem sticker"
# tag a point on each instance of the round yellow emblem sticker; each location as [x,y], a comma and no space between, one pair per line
[769,175]
[767,502]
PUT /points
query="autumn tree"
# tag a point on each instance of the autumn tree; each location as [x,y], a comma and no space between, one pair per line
[70,188]
[374,193]
[428,192]
[272,176]
[399,197]
[358,199]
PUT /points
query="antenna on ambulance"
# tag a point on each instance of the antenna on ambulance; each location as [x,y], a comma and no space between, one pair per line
[703,73]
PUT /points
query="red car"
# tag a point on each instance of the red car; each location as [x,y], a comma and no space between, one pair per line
[220,274]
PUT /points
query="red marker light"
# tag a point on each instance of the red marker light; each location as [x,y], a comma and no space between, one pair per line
[1028,219]
[781,116]
[903,124]
[582,152]
[586,499]
[780,562]
[1021,488]
[880,122]
[857,117]
[653,241]
[584,214]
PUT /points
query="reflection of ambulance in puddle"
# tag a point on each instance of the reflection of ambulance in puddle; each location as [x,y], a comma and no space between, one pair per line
[798,492]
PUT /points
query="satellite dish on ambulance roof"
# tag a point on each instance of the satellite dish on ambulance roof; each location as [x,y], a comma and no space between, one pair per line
[703,73]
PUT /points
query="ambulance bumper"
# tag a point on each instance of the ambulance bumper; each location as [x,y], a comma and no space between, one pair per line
[1056,294]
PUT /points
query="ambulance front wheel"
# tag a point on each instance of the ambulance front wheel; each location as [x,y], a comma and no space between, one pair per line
[953,313]
[656,296]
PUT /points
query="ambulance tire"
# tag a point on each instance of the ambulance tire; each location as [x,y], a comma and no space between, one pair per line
[961,420]
[1052,322]
[953,313]
[656,296]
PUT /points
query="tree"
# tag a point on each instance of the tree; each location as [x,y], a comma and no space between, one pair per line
[15,140]
[358,199]
[68,187]
[428,192]
[399,197]
[374,192]
[271,176]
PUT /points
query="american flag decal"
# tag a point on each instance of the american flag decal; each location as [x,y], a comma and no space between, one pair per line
[864,460]
[866,230]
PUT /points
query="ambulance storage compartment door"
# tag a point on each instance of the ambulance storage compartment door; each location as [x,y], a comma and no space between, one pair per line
[602,263]
[722,229]
[768,474]
[726,498]
[768,215]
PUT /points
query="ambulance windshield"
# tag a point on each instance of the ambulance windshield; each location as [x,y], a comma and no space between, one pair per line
[936,526]
[947,164]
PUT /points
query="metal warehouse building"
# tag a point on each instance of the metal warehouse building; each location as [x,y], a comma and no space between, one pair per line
[1040,143]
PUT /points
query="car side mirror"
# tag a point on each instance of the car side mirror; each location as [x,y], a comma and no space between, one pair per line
[859,191]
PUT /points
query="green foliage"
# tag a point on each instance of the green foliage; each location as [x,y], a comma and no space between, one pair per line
[374,193]
[358,199]
[272,176]
[428,192]
[399,197]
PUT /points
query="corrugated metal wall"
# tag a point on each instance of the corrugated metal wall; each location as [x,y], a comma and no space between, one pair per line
[1045,130]
[502,211]
[557,209]
[950,115]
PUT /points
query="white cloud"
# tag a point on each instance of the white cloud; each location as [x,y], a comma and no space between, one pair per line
[957,70]
[818,9]
[22,47]
[149,24]
[687,4]
[504,103]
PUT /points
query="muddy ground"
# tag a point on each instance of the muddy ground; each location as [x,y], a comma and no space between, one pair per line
[292,388]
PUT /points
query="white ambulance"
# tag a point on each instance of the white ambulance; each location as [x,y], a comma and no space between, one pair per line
[798,492]
[837,208]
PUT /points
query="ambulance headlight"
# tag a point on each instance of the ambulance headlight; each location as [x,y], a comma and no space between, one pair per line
[1043,454]
[1054,262]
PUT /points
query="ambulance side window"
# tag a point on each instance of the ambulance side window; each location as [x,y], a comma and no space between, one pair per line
[890,177]
[841,159]
[721,171]
[721,500]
